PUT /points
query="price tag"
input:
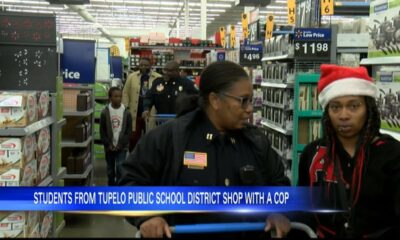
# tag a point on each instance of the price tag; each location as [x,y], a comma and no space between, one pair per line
[250,54]
[312,43]
[327,7]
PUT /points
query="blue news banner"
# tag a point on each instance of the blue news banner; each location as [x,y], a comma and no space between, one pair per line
[176,199]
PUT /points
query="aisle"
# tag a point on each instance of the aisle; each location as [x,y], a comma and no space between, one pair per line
[87,226]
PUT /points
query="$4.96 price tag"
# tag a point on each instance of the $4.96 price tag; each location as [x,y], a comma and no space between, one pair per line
[251,54]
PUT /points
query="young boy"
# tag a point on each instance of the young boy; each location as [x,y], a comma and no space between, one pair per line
[115,130]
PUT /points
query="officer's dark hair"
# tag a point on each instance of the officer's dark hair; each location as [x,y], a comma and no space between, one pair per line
[217,77]
[113,89]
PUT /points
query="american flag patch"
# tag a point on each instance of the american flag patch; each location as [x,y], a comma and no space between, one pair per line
[195,159]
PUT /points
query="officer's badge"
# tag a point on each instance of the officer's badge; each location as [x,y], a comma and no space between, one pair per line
[160,87]
[180,88]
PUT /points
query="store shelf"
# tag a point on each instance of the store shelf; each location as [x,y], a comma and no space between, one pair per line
[300,147]
[34,127]
[277,85]
[276,128]
[396,135]
[380,61]
[282,32]
[181,67]
[352,8]
[79,176]
[59,229]
[352,50]
[281,57]
[46,182]
[78,113]
[66,143]
[275,105]
[61,122]
[61,173]
[80,87]
[101,98]
[103,81]
[176,48]
[310,113]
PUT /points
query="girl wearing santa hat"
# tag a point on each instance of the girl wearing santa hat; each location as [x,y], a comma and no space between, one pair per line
[357,167]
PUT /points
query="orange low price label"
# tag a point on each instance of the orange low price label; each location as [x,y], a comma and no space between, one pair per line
[291,6]
[327,7]
[269,27]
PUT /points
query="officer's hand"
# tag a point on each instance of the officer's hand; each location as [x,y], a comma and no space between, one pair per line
[145,115]
[280,223]
[155,227]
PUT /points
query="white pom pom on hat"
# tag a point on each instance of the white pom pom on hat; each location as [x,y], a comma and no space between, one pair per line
[338,81]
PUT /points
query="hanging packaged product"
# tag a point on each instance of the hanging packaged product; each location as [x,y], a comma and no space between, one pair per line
[12,224]
[43,166]
[18,109]
[43,104]
[43,140]
[46,223]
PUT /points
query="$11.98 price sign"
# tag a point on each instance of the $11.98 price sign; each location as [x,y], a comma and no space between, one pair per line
[312,43]
[251,54]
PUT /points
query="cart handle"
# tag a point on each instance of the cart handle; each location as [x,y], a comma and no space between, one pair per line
[232,227]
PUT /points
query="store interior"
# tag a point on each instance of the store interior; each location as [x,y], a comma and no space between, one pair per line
[63,56]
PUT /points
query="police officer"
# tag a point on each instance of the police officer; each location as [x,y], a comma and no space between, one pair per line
[165,90]
[210,145]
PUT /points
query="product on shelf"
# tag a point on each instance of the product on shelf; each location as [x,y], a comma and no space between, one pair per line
[75,130]
[43,140]
[43,104]
[46,221]
[12,224]
[279,73]
[43,166]
[77,161]
[15,152]
[18,109]
[279,45]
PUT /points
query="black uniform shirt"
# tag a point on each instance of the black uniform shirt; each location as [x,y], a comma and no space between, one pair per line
[226,154]
[163,94]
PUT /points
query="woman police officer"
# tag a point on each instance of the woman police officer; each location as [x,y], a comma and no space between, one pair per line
[213,125]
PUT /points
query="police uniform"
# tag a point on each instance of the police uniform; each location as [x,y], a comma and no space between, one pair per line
[163,94]
[189,151]
[378,205]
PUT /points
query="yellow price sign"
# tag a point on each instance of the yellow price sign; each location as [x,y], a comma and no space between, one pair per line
[114,51]
[233,36]
[222,35]
[245,25]
[127,44]
[327,7]
[291,8]
[269,26]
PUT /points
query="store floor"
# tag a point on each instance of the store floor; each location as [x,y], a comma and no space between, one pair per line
[87,226]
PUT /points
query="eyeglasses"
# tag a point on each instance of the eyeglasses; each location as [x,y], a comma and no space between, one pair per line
[352,107]
[244,101]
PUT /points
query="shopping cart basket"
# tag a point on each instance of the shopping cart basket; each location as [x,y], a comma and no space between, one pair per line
[232,227]
[158,119]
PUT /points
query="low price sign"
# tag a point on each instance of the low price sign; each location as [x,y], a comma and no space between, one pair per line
[251,54]
[312,43]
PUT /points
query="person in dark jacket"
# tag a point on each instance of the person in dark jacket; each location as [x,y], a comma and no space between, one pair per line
[115,130]
[213,125]
[357,167]
[165,90]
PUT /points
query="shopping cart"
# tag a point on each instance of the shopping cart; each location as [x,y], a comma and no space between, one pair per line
[158,119]
[232,227]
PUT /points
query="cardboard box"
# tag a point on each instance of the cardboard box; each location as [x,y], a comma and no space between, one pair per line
[15,177]
[18,109]
[15,152]
[43,141]
[43,104]
[43,166]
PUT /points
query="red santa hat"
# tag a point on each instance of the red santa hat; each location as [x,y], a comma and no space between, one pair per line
[338,81]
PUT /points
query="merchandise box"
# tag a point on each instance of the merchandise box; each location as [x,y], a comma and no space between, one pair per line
[12,224]
[43,141]
[15,152]
[43,166]
[31,229]
[18,109]
[43,104]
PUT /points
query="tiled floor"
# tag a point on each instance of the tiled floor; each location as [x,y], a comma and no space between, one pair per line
[86,226]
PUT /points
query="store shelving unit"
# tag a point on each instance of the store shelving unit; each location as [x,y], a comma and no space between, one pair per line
[305,117]
[88,114]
